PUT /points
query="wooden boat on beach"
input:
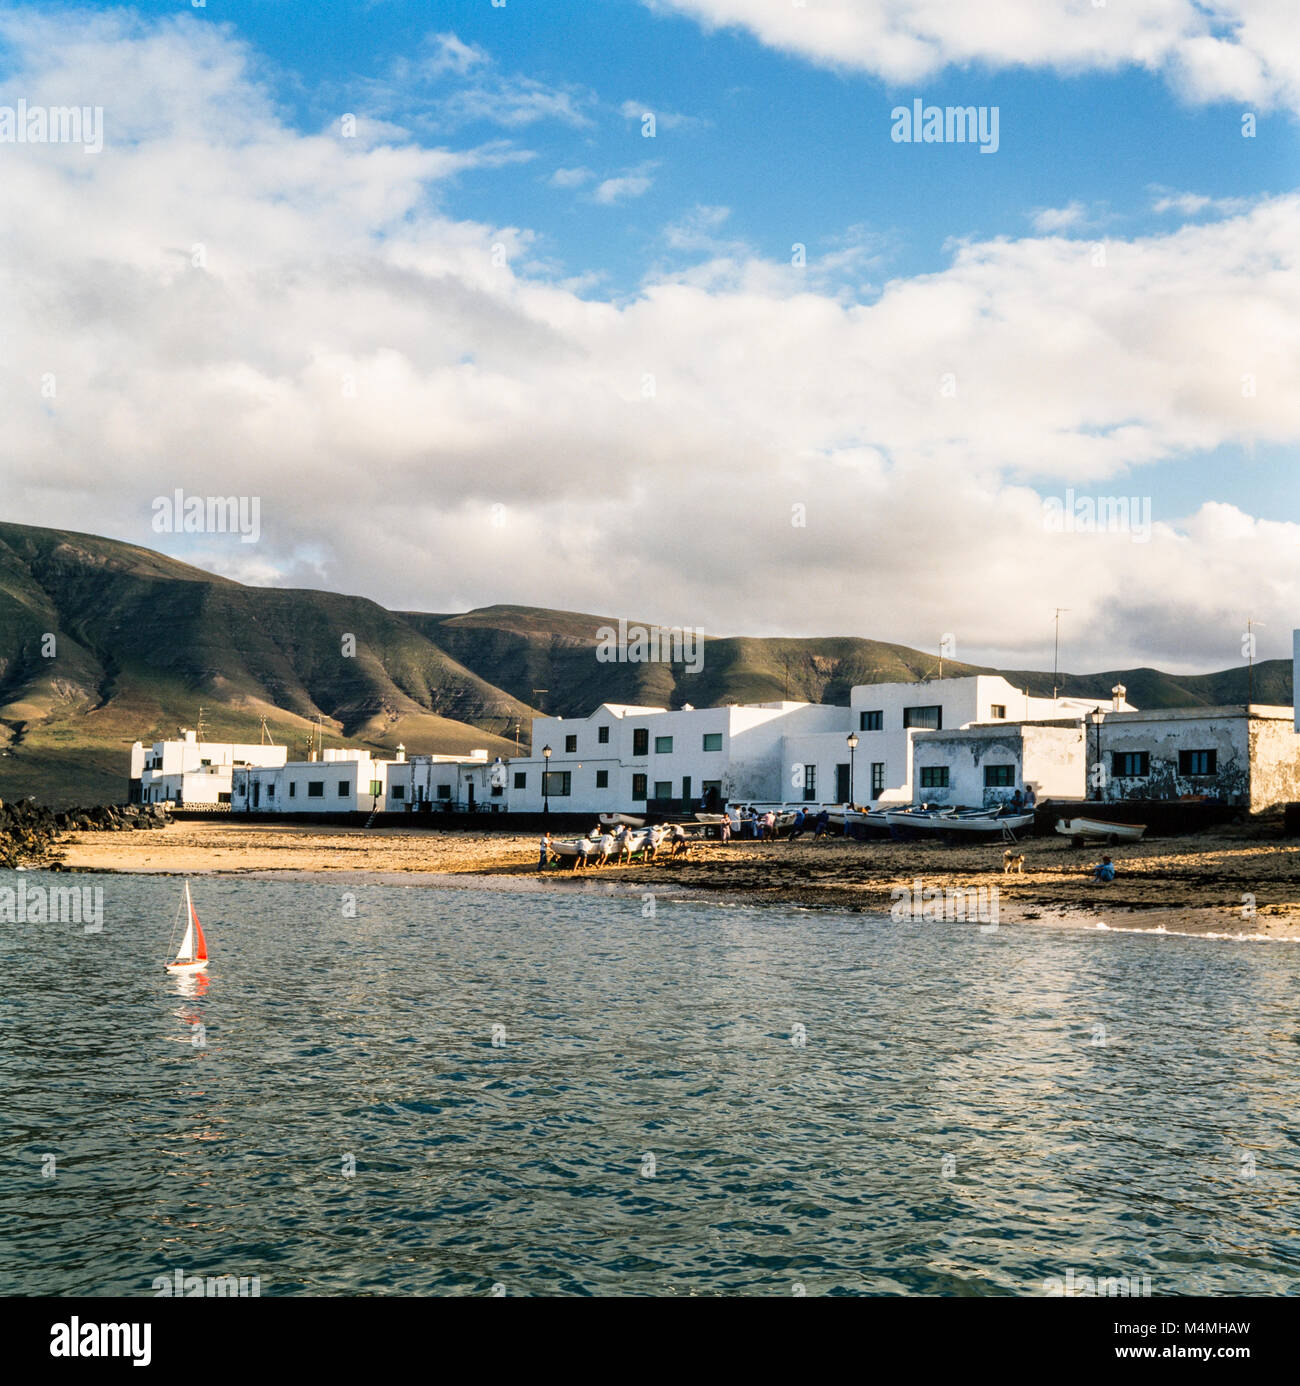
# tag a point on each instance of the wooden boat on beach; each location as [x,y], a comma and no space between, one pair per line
[1098,830]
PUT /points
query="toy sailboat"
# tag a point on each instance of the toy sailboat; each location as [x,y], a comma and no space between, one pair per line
[192,956]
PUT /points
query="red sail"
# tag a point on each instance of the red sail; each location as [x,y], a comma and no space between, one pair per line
[200,943]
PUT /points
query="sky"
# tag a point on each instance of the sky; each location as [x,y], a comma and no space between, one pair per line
[648,309]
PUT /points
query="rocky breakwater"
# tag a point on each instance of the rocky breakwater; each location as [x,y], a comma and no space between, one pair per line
[29,832]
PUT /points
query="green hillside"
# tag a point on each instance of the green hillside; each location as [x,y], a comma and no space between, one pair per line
[104,643]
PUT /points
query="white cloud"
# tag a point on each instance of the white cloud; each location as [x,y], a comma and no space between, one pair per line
[381,377]
[623,187]
[570,177]
[1049,220]
[1193,204]
[1231,50]
[664,120]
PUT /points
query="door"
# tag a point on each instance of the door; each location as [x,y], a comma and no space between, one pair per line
[842,790]
[469,791]
[686,794]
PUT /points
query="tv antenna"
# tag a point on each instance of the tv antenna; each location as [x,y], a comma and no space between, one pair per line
[1056,654]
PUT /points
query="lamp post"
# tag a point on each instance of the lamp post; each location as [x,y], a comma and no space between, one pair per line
[853,746]
[1097,714]
[546,781]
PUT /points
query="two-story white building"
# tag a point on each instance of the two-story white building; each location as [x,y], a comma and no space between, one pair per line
[191,773]
[624,757]
[431,783]
[888,720]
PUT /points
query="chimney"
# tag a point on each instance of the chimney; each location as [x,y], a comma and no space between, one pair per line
[1117,693]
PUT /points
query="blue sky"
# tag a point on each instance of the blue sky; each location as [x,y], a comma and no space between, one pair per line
[669,259]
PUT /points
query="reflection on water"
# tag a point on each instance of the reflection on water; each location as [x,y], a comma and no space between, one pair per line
[459,1088]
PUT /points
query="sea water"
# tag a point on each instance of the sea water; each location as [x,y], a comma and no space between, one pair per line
[385,1089]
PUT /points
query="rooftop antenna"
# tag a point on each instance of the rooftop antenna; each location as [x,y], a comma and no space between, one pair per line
[536,691]
[200,728]
[1056,655]
[267,738]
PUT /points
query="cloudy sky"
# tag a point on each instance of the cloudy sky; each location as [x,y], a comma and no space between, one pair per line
[427,281]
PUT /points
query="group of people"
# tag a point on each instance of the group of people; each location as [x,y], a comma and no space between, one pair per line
[604,844]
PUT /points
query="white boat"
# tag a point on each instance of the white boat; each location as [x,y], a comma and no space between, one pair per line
[944,821]
[192,955]
[613,820]
[1099,828]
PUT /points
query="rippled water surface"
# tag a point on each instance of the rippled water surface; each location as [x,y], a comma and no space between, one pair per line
[970,1114]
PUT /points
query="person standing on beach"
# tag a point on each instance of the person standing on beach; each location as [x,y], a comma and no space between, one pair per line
[606,846]
[584,851]
[821,824]
[544,847]
[799,826]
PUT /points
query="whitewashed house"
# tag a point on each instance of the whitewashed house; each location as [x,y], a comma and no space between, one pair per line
[983,766]
[1241,755]
[432,783]
[627,758]
[890,719]
[339,781]
[191,773]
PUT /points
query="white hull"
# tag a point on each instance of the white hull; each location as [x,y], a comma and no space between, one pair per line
[187,967]
[1099,828]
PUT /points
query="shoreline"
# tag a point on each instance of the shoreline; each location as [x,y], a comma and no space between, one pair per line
[1228,883]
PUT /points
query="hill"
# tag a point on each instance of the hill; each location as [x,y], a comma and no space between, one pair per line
[103,643]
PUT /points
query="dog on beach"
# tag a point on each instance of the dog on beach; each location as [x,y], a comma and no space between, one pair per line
[1013,862]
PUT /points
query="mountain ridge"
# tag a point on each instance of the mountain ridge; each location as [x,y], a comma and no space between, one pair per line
[104,642]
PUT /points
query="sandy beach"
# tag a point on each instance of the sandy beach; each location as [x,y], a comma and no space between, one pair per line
[1239,882]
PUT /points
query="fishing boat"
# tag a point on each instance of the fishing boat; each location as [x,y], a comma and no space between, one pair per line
[613,820]
[1099,828]
[192,955]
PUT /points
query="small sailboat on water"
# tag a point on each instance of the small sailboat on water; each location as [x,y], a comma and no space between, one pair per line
[192,956]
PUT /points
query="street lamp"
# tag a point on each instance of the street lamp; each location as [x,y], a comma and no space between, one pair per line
[853,746]
[1096,715]
[546,781]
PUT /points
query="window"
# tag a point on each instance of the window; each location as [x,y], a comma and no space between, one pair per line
[934,777]
[713,741]
[1130,764]
[602,779]
[809,783]
[315,789]
[398,791]
[871,721]
[638,788]
[640,741]
[345,788]
[270,793]
[570,745]
[602,735]
[1198,762]
[444,791]
[376,787]
[293,789]
[663,745]
[930,718]
[998,710]
[712,790]
[205,762]
[557,784]
[222,798]
[521,779]
[999,776]
[663,789]
[877,778]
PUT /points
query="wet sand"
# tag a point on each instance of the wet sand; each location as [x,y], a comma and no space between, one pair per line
[1206,883]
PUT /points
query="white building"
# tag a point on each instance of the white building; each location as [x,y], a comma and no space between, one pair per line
[1240,755]
[888,719]
[191,773]
[463,784]
[624,757]
[339,781]
[983,766]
